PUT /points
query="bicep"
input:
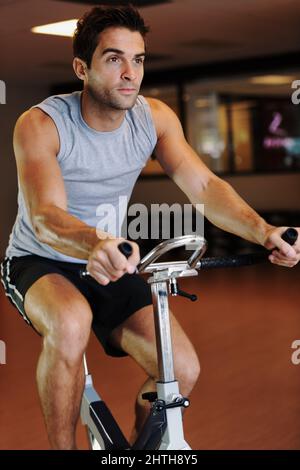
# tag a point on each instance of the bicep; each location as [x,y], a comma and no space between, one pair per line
[36,145]
[177,157]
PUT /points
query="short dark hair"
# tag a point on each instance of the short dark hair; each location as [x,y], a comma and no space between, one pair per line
[93,22]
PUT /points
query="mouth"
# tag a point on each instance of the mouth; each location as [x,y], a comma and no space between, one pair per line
[127,91]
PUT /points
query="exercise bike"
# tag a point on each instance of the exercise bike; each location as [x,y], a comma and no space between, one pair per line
[163,429]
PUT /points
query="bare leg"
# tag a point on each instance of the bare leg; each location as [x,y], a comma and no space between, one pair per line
[136,336]
[63,317]
[60,389]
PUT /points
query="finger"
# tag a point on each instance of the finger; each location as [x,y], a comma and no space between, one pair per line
[130,263]
[99,270]
[96,266]
[101,278]
[282,262]
[109,269]
[285,249]
[117,261]
[278,255]
[96,270]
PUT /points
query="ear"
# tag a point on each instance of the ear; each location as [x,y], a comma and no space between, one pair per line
[80,68]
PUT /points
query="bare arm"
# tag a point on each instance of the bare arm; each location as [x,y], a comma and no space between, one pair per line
[36,145]
[222,205]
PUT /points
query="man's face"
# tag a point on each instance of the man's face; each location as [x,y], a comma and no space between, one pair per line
[117,68]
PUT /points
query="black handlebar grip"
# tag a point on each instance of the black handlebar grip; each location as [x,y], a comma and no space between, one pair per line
[290,236]
[125,248]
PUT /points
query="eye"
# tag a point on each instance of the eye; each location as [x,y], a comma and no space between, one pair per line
[113,59]
[139,60]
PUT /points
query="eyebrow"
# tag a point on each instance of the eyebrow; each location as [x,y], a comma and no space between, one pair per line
[118,51]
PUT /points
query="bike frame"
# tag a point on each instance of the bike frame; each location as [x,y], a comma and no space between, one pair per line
[163,429]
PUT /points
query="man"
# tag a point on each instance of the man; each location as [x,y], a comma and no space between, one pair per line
[73,153]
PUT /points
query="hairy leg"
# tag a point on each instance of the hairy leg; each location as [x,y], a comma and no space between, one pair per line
[62,316]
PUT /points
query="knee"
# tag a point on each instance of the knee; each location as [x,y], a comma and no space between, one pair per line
[188,372]
[69,331]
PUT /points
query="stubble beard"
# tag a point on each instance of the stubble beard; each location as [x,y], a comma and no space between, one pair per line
[107,98]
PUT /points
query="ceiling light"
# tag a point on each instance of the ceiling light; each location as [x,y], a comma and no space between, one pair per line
[61,28]
[272,80]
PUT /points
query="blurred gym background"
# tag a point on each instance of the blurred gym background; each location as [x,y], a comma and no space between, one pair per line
[229,69]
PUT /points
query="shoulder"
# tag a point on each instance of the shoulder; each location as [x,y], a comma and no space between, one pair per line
[34,119]
[159,108]
[40,114]
[165,119]
[35,125]
[55,108]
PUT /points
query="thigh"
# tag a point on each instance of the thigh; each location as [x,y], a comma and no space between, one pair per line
[53,302]
[41,290]
[136,336]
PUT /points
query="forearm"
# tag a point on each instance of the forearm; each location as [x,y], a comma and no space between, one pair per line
[65,233]
[228,211]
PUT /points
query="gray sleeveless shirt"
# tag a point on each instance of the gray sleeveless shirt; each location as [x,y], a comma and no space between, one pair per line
[97,167]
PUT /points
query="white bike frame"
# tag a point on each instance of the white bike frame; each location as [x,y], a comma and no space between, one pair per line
[105,433]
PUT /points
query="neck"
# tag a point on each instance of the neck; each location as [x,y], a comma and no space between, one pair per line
[98,116]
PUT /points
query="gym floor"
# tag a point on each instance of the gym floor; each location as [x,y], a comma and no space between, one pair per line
[248,395]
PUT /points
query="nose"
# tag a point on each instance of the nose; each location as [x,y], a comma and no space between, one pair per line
[128,72]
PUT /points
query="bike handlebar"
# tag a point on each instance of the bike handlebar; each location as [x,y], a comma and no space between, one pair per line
[172,243]
[290,236]
[125,248]
[233,261]
[147,264]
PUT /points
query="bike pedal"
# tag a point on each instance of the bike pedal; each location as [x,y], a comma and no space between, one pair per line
[150,396]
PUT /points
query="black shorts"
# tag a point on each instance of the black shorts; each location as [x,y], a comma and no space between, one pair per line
[111,304]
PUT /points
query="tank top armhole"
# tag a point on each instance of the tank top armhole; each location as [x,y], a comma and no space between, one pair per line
[149,119]
[57,118]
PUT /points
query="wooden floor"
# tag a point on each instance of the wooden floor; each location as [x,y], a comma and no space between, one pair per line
[248,395]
